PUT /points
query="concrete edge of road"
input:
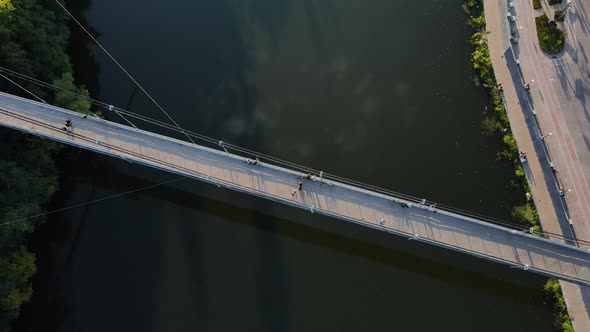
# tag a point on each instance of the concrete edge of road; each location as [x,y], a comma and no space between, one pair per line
[577,298]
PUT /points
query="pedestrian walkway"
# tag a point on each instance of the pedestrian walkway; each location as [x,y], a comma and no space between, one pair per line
[528,137]
[412,219]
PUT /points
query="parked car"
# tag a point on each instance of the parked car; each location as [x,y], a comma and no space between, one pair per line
[511,18]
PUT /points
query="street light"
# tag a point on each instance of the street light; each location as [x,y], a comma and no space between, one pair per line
[543,136]
[567,8]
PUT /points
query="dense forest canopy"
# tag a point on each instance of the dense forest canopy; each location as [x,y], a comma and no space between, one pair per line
[34,37]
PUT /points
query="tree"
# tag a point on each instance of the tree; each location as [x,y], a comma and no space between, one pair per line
[5,6]
[69,101]
[15,271]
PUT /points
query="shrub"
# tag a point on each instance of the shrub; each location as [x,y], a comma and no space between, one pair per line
[537,4]
[5,6]
[554,2]
[477,22]
[510,143]
[554,294]
[524,214]
[551,39]
[490,126]
[480,59]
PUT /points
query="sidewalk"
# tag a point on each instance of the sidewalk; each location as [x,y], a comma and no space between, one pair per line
[524,128]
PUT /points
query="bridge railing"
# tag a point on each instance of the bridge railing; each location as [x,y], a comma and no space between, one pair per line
[396,196]
[119,152]
[247,153]
[303,170]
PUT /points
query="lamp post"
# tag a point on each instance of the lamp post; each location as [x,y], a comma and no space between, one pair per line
[543,136]
[567,8]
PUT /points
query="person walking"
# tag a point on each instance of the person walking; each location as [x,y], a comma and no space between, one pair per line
[299,186]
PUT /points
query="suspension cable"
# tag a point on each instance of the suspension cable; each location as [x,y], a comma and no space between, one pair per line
[91,201]
[285,163]
[122,68]
[55,88]
[23,88]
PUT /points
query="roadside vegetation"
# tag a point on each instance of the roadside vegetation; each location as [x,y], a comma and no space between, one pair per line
[554,2]
[33,40]
[551,38]
[496,123]
[561,318]
[537,4]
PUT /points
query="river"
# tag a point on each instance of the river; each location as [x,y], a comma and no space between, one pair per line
[377,91]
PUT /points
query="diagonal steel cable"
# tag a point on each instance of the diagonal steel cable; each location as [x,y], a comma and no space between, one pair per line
[123,69]
[288,164]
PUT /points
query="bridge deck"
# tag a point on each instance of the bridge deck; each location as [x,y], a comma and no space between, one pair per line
[334,199]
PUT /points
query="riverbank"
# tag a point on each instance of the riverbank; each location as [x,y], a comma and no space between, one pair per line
[497,123]
[176,254]
[519,140]
[33,40]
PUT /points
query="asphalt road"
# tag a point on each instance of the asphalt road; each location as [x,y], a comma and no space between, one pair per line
[558,94]
[560,90]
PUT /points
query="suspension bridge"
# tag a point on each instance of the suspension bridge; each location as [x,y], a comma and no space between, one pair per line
[228,166]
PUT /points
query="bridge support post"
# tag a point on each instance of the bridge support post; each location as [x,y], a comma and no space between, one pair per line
[213,181]
[223,146]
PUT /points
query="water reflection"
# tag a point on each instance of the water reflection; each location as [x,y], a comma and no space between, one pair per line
[365,89]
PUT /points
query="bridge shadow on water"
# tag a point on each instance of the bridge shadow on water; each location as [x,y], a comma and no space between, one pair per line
[196,237]
[192,255]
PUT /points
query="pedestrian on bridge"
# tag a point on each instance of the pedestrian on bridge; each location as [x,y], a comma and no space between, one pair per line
[299,186]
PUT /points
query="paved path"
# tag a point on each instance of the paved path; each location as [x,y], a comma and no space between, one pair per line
[566,135]
[560,93]
[335,199]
